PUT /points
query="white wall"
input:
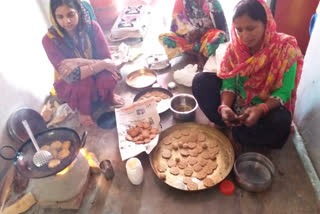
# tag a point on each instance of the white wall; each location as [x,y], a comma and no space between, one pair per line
[26,75]
[307,114]
[44,7]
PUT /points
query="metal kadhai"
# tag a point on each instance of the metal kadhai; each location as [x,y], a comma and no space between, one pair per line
[213,139]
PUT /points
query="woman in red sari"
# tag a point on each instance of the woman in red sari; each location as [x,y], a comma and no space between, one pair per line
[255,90]
[76,47]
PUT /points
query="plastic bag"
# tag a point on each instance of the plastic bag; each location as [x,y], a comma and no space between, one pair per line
[186,75]
[61,114]
[213,62]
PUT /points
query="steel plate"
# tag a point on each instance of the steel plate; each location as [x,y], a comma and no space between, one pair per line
[141,78]
[163,105]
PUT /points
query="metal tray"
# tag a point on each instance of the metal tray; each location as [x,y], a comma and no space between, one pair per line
[224,159]
[163,105]
[141,78]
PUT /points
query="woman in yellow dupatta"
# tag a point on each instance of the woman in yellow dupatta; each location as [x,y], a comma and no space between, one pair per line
[76,47]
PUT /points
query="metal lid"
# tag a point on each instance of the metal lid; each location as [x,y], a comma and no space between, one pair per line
[158,62]
[15,128]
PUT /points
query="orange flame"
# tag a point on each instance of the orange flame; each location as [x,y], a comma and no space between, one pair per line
[91,158]
[64,171]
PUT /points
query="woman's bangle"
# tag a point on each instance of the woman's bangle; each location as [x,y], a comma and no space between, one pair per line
[264,107]
[221,107]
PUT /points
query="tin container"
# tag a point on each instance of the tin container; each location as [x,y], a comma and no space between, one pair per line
[254,172]
[107,169]
[134,171]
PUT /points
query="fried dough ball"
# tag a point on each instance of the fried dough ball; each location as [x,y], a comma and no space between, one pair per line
[63,154]
[56,145]
[53,163]
[45,147]
[66,144]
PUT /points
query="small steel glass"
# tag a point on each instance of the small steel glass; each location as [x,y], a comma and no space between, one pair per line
[107,169]
[183,107]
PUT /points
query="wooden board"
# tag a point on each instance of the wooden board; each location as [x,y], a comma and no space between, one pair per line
[22,205]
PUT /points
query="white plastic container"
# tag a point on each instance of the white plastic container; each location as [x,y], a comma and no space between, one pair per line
[134,171]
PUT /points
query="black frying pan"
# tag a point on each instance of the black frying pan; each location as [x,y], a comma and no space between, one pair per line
[23,157]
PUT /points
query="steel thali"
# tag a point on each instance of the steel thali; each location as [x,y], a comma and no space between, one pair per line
[214,139]
[141,78]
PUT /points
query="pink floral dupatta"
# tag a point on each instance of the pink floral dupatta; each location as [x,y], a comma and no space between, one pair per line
[266,68]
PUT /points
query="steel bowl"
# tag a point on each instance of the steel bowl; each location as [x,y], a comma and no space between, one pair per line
[253,171]
[183,107]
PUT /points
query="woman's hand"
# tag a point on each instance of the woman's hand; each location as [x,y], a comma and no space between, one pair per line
[78,61]
[64,69]
[67,66]
[193,36]
[111,67]
[229,117]
[251,116]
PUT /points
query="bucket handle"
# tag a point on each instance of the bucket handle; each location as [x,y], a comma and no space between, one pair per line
[2,150]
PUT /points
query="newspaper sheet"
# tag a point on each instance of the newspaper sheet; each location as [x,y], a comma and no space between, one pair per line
[127,117]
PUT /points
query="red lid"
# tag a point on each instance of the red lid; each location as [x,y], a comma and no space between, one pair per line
[226,187]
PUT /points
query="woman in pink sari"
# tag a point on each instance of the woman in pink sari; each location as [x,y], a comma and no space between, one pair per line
[255,90]
[76,47]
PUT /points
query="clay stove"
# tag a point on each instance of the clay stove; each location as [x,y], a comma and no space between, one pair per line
[66,189]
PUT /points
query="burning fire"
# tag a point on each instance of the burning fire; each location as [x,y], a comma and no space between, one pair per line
[65,170]
[91,158]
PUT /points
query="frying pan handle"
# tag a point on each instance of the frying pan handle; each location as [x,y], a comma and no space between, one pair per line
[83,139]
[2,150]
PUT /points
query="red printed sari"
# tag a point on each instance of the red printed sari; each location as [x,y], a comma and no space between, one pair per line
[266,68]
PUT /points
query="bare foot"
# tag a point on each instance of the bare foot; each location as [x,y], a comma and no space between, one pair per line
[117,101]
[85,120]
